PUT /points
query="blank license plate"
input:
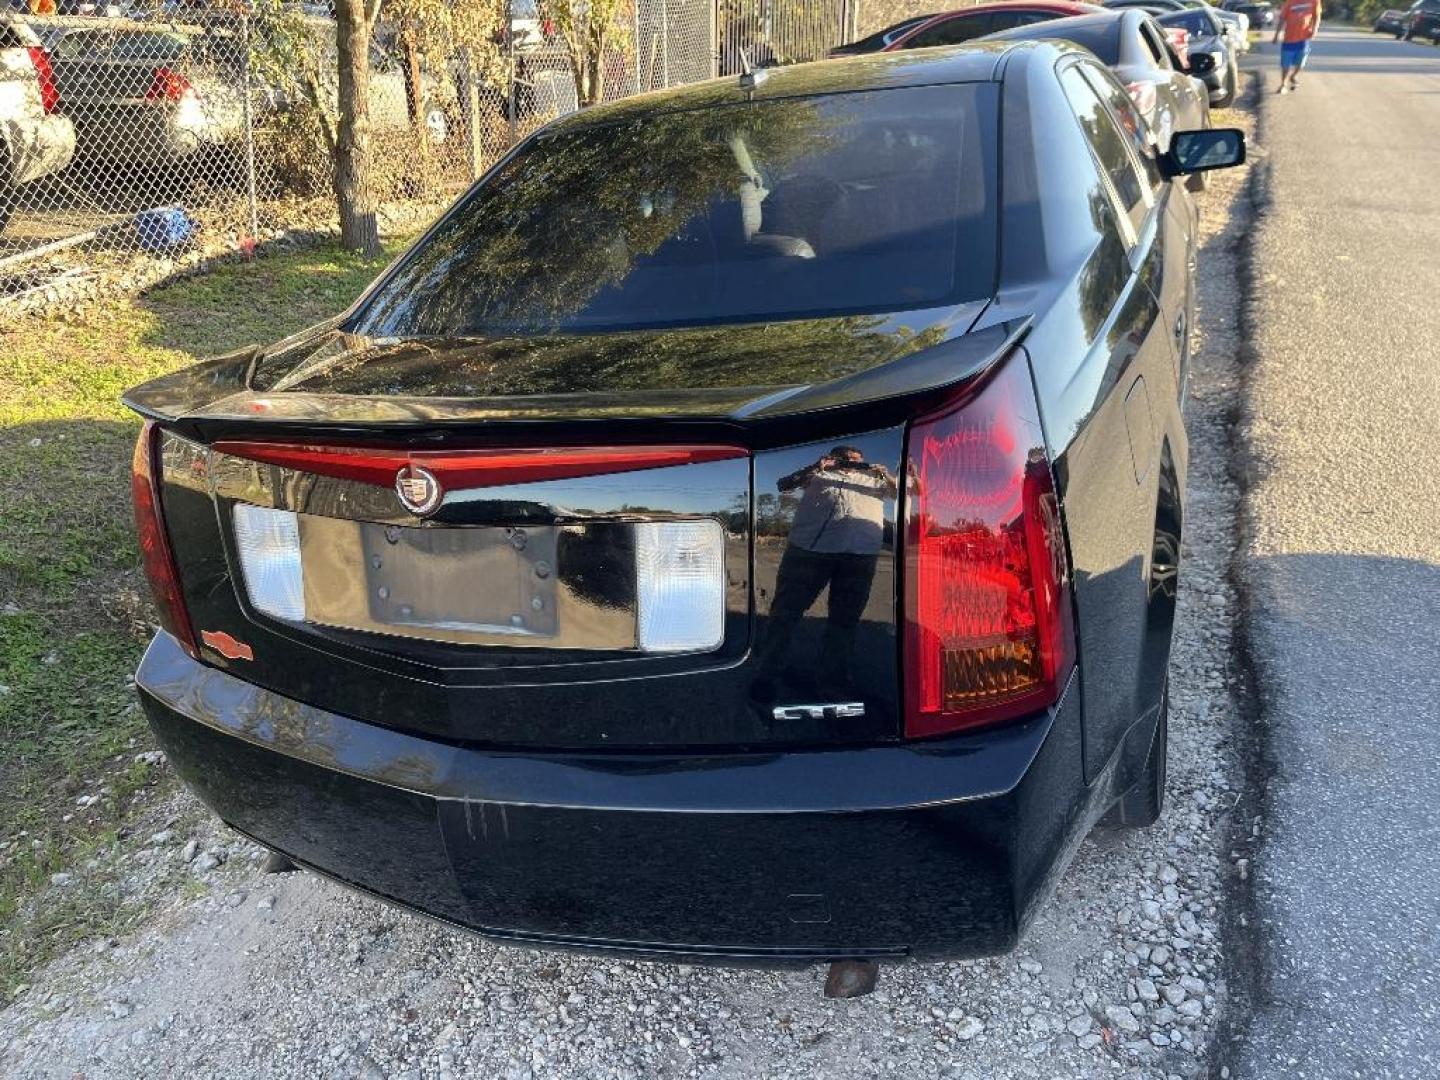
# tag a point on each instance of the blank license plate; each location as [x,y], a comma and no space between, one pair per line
[447,584]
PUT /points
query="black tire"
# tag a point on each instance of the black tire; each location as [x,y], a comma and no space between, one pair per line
[1143,803]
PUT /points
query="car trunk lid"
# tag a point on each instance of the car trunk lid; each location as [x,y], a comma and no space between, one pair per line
[515,610]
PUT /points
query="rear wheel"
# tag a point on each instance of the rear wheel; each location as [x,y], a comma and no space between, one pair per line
[1142,804]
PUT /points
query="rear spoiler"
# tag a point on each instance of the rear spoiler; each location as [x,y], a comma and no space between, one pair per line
[213,400]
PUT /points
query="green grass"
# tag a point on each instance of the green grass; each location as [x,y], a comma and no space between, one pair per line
[74,609]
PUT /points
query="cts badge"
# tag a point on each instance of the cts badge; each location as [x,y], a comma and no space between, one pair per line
[418,489]
[846,710]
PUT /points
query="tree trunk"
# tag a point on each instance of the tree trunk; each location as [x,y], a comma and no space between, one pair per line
[415,101]
[414,88]
[354,193]
[597,72]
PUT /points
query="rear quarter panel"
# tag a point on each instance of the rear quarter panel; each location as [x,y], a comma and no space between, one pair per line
[1107,380]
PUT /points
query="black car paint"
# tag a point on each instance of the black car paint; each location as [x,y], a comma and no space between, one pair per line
[1262,15]
[1421,19]
[926,851]
[735,840]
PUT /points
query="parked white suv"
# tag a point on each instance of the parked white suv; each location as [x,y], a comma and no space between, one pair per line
[35,139]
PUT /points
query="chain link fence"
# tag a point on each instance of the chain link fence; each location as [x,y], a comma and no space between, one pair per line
[134,140]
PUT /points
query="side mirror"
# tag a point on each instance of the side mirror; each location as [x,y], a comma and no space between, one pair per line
[1200,64]
[1199,151]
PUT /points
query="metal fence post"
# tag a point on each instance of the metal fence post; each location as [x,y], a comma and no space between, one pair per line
[665,41]
[249,121]
[470,106]
[713,6]
[510,102]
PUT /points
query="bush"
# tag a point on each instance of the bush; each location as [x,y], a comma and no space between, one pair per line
[291,153]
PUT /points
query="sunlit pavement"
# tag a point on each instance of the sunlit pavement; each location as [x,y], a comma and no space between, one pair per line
[1343,566]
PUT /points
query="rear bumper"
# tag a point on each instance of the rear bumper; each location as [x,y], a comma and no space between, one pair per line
[37,148]
[930,850]
[146,132]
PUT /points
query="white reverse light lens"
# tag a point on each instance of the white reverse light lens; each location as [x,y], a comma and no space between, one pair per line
[680,567]
[269,543]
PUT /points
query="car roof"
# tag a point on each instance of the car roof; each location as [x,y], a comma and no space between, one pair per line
[1053,7]
[977,61]
[1056,28]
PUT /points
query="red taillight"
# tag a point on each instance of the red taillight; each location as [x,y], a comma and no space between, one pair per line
[461,469]
[987,595]
[167,85]
[1143,94]
[155,551]
[49,92]
[547,27]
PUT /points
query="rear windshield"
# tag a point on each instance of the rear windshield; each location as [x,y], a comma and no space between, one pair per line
[1102,37]
[127,45]
[878,40]
[801,207]
[1193,22]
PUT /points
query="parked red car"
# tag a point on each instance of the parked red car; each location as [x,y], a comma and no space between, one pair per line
[955,27]
[1178,38]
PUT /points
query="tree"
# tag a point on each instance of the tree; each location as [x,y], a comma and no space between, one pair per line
[593,30]
[354,192]
[291,54]
[434,33]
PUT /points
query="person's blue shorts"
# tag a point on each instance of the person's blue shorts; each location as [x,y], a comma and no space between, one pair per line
[1294,53]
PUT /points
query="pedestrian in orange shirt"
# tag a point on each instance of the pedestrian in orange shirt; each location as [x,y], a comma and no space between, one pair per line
[1299,19]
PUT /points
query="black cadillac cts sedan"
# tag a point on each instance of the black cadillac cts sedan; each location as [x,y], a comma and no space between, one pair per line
[745,527]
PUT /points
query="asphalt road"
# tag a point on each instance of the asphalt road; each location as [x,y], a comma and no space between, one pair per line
[1342,565]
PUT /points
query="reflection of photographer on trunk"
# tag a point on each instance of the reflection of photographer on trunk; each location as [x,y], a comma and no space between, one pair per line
[835,540]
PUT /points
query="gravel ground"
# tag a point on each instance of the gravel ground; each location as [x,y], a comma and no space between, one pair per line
[244,975]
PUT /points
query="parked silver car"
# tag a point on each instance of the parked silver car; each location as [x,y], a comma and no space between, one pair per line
[1212,58]
[1133,46]
[1236,24]
[36,139]
[148,95]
